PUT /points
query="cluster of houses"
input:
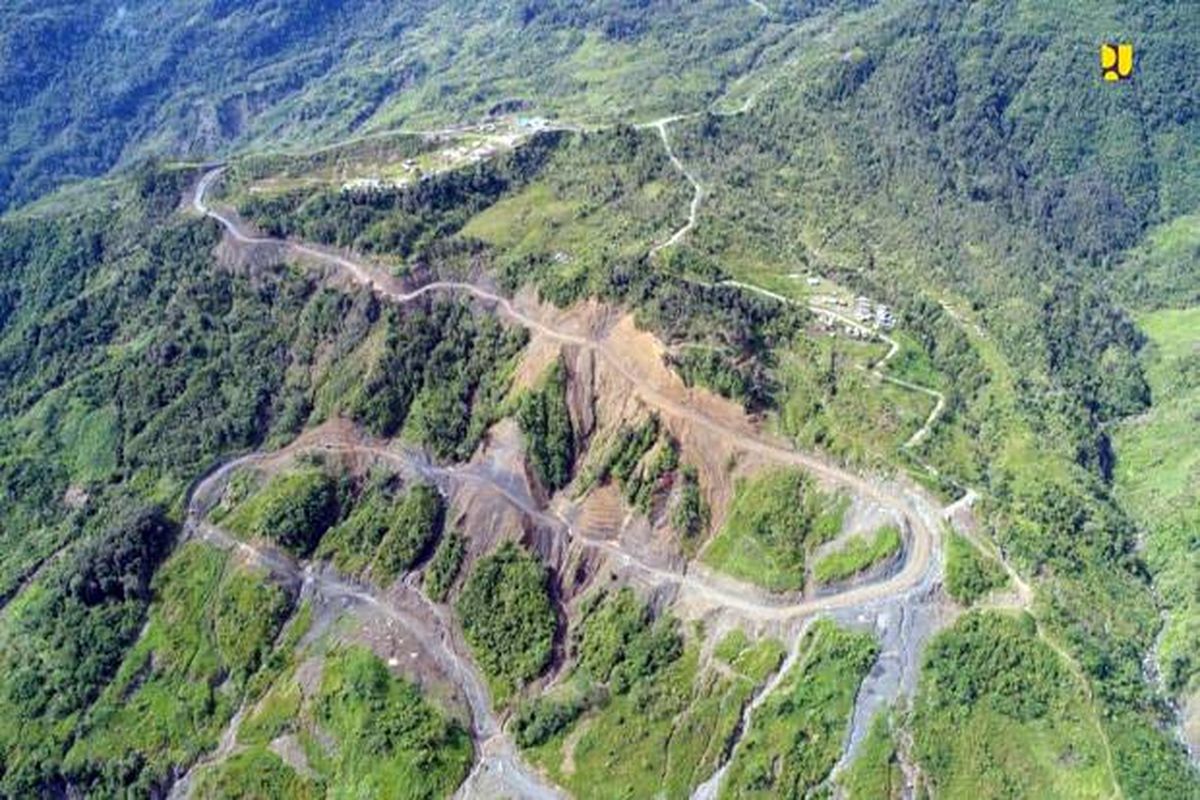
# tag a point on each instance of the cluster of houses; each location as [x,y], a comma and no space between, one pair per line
[835,325]
[366,185]
[866,312]
[869,313]
[453,156]
[501,134]
[473,154]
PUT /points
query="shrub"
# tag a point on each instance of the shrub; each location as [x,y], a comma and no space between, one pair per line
[969,574]
[444,566]
[507,616]
[415,525]
[545,420]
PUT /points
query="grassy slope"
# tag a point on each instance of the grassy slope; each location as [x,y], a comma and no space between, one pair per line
[681,718]
[999,715]
[875,773]
[388,735]
[858,554]
[828,402]
[559,214]
[684,715]
[774,520]
[363,733]
[756,660]
[208,633]
[795,736]
[255,772]
[1158,480]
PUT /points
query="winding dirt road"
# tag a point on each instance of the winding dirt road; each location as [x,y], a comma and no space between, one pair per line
[893,348]
[697,190]
[698,193]
[753,604]
[916,507]
[497,758]
[499,764]
[499,768]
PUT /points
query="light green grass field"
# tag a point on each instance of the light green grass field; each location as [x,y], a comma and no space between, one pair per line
[363,731]
[560,216]
[255,772]
[1158,480]
[858,554]
[1159,456]
[774,520]
[669,732]
[755,660]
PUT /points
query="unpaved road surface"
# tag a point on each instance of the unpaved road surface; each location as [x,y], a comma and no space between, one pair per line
[697,189]
[499,766]
[497,759]
[911,504]
[754,605]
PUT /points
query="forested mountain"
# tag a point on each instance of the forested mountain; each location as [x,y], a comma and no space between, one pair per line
[522,390]
[87,86]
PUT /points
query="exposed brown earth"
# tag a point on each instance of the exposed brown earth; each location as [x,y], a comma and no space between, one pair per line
[617,375]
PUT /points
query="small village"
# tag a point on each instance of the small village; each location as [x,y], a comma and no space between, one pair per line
[859,317]
[467,144]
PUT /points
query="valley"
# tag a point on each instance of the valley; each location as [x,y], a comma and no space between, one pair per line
[599,400]
[898,607]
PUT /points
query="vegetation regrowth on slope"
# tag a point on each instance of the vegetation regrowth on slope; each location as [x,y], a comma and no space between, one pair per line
[970,574]
[795,736]
[545,420]
[1158,458]
[857,554]
[209,633]
[773,522]
[507,617]
[998,714]
[363,729]
[875,773]
[294,509]
[638,708]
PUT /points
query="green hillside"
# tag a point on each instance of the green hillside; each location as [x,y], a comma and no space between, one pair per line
[711,169]
[84,87]
[1158,480]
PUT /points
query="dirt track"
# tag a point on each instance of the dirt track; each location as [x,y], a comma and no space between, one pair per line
[907,593]
[920,571]
[697,189]
[498,767]
[911,504]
